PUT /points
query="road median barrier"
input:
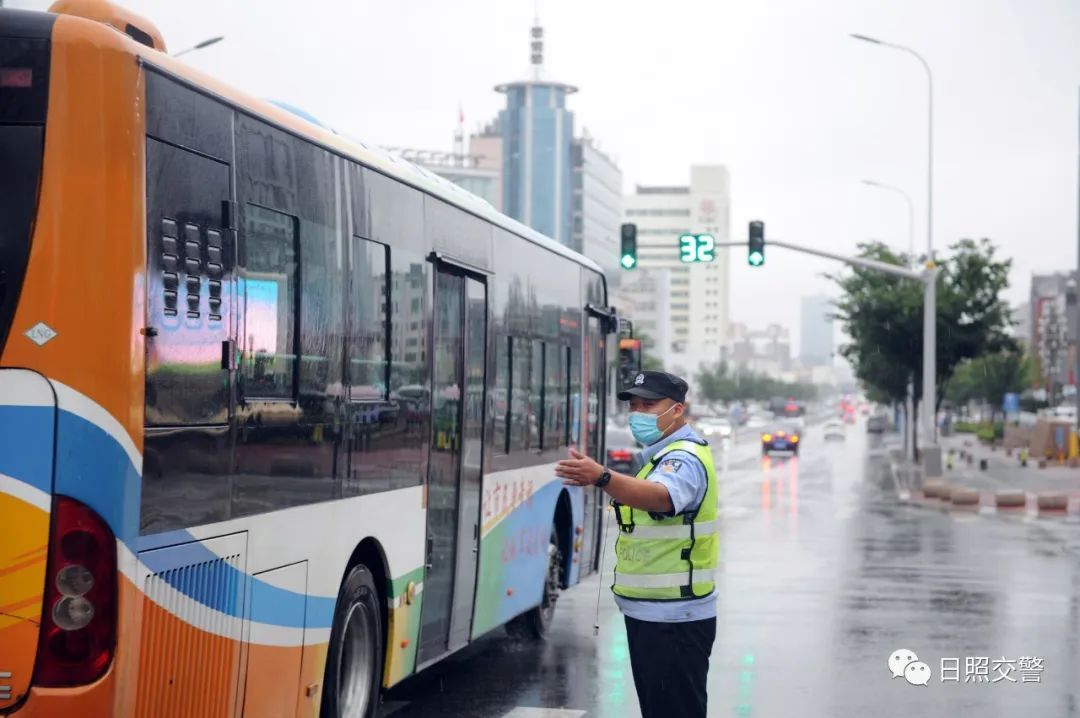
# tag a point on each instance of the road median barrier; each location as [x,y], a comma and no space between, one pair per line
[1010,499]
[964,496]
[1052,502]
[932,488]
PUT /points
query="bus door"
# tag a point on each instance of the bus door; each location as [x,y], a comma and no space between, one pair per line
[455,468]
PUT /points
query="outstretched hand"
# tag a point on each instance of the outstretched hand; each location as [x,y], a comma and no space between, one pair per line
[578,470]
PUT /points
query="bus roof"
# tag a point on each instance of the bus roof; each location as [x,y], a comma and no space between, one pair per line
[366,154]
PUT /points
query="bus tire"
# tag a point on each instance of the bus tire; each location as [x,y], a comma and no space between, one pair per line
[354,661]
[535,623]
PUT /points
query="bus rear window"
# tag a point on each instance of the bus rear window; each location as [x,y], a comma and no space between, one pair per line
[24,72]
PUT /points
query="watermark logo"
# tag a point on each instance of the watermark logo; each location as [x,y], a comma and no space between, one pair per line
[917,673]
[980,669]
[903,663]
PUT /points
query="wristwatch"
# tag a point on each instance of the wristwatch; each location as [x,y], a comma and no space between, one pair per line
[605,478]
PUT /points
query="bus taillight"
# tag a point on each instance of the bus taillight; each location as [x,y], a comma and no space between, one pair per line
[78,624]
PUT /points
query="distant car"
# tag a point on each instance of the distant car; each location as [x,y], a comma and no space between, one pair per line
[622,451]
[783,436]
[877,424]
[713,427]
[834,430]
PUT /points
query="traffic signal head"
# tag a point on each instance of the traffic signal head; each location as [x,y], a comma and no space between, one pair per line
[628,256]
[756,245]
[629,361]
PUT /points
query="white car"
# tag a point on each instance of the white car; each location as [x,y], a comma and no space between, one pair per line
[755,422]
[834,430]
[714,427]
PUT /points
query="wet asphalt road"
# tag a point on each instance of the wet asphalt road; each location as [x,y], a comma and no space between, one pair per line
[825,574]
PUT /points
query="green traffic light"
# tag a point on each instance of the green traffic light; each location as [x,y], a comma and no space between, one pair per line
[756,259]
[628,261]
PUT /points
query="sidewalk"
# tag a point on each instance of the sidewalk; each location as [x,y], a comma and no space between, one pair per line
[1004,485]
[1004,472]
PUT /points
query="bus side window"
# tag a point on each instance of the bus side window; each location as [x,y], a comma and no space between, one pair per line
[369,327]
[268,364]
[520,378]
[501,395]
[555,399]
[573,388]
[536,397]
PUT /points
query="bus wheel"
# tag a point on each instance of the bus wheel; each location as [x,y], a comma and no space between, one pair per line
[354,662]
[536,622]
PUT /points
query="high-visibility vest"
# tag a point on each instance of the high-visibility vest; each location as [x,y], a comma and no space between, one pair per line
[670,558]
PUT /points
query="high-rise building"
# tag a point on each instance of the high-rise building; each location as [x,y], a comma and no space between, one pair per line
[699,291]
[537,139]
[816,331]
[1050,339]
[764,351]
[597,203]
[644,296]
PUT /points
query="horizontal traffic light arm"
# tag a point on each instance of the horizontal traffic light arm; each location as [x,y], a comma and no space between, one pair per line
[855,261]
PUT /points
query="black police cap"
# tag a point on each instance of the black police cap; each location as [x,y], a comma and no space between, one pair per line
[655,385]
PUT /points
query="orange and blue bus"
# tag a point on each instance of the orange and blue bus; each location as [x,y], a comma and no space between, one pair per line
[278,410]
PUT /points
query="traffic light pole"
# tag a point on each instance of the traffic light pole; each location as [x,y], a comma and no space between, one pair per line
[928,276]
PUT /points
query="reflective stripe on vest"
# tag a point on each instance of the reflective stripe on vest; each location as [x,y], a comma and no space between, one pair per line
[669,558]
[663,580]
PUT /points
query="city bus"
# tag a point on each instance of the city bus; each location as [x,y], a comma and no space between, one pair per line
[278,410]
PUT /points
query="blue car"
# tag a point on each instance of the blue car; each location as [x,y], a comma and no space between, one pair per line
[781,437]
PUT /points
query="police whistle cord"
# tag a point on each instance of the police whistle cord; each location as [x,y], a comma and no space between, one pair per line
[600,571]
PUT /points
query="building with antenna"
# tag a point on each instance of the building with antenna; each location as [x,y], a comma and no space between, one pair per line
[537,139]
[527,163]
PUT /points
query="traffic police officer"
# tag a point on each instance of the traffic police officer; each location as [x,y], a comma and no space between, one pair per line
[667,549]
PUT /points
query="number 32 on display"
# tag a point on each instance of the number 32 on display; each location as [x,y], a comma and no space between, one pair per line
[697,248]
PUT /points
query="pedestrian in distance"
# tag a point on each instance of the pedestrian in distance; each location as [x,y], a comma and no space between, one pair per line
[667,549]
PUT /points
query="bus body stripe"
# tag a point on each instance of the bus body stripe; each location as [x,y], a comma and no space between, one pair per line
[25,450]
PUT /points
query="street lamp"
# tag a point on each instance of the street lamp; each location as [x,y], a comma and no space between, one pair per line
[910,209]
[929,136]
[929,325]
[201,45]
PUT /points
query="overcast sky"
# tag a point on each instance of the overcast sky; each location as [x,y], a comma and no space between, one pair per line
[774,89]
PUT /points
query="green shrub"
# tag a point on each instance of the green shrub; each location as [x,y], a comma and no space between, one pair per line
[990,432]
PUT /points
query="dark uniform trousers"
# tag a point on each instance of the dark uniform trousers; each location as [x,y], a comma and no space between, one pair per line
[671,666]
